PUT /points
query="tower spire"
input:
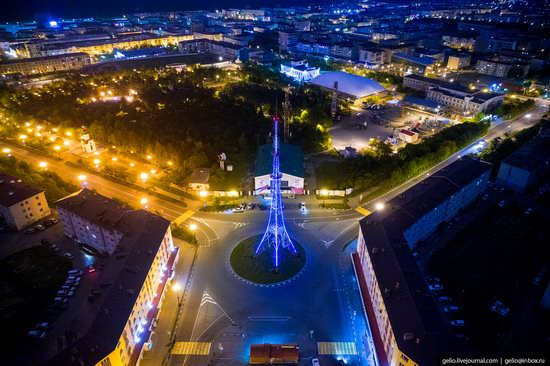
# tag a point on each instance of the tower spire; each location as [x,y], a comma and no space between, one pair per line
[275,235]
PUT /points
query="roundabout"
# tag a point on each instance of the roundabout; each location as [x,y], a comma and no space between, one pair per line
[259,269]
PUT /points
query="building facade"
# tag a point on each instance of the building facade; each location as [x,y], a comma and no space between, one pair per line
[44,65]
[404,320]
[300,71]
[20,204]
[120,328]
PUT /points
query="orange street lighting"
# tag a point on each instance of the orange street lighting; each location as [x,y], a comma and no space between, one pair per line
[132,164]
[379,206]
[6,150]
[57,147]
[81,177]
[96,162]
[203,194]
[169,163]
[144,176]
[149,157]
[22,137]
[68,133]
[43,164]
[66,142]
[192,227]
[114,158]
[176,287]
[144,201]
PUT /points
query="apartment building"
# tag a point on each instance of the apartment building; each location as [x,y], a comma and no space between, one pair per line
[313,48]
[458,61]
[21,205]
[502,69]
[92,219]
[44,65]
[371,56]
[119,325]
[422,83]
[406,325]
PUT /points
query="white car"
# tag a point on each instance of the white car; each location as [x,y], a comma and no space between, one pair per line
[501,203]
[303,206]
[315,362]
[238,210]
[68,255]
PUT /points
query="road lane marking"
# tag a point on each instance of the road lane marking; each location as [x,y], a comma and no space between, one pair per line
[363,211]
[191,348]
[337,348]
[184,216]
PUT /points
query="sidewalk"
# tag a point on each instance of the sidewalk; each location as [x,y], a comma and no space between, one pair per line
[160,337]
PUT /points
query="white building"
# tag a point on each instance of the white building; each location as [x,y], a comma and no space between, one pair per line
[291,167]
[351,87]
[20,204]
[408,136]
[300,71]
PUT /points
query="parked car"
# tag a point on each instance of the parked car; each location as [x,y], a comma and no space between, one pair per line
[60,299]
[501,309]
[501,203]
[65,293]
[43,326]
[538,278]
[51,222]
[68,255]
[39,227]
[38,334]
[459,323]
[238,209]
[528,211]
[72,283]
[73,277]
[303,206]
[250,206]
[29,230]
[435,287]
[485,196]
[54,247]
[91,268]
[75,272]
[451,309]
[444,299]
[315,362]
[68,288]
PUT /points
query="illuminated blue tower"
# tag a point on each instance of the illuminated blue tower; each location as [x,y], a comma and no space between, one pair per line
[275,235]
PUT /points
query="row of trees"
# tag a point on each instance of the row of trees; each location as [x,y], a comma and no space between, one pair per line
[52,183]
[380,168]
[176,116]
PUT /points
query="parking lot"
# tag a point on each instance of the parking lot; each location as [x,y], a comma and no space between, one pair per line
[495,278]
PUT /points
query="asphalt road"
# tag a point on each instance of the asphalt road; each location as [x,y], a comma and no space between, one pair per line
[222,309]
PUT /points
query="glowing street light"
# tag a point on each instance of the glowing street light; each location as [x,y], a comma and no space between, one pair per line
[43,165]
[144,202]
[57,149]
[169,163]
[176,287]
[193,227]
[82,180]
[149,157]
[379,206]
[22,137]
[6,150]
[203,194]
[324,194]
[68,133]
[144,176]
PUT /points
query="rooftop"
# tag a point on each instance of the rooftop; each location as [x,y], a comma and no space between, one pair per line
[45,58]
[13,190]
[419,329]
[533,154]
[200,176]
[354,85]
[101,324]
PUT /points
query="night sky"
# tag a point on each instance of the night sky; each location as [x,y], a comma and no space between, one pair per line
[25,9]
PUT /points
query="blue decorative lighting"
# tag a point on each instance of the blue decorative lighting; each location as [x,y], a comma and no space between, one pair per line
[275,235]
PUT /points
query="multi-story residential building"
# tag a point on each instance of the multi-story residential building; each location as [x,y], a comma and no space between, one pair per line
[459,41]
[422,83]
[118,327]
[92,219]
[525,166]
[343,50]
[404,320]
[193,46]
[313,48]
[502,69]
[458,61]
[371,56]
[20,204]
[44,65]
[288,40]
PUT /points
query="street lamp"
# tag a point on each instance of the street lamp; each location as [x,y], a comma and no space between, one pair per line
[193,228]
[324,194]
[144,176]
[96,163]
[203,194]
[144,202]
[43,165]
[379,206]
[82,180]
[57,148]
[178,290]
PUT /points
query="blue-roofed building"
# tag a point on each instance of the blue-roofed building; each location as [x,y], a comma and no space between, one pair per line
[352,87]
[291,166]
[422,104]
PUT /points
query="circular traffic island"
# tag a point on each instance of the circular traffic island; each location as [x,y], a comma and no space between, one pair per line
[260,269]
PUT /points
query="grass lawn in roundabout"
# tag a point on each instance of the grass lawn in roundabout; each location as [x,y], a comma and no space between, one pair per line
[260,269]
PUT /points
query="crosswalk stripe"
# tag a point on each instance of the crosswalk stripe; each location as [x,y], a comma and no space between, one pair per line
[363,211]
[336,348]
[184,216]
[191,348]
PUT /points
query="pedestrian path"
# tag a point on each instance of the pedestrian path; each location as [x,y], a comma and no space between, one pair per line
[336,348]
[191,348]
[184,216]
[363,211]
